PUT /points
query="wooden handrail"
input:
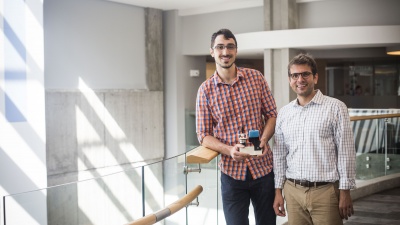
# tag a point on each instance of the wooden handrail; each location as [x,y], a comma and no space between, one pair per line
[381,116]
[170,209]
[202,155]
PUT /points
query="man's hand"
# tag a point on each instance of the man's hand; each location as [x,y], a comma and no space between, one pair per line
[279,203]
[236,154]
[345,204]
[263,145]
[269,131]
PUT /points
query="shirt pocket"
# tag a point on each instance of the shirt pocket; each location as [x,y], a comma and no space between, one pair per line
[320,126]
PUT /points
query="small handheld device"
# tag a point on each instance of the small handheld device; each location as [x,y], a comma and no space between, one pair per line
[242,136]
[253,137]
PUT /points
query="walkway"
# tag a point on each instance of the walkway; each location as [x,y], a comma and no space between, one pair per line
[379,208]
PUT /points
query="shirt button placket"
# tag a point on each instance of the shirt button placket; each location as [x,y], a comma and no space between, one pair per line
[303,116]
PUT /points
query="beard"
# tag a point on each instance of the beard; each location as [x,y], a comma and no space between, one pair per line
[226,66]
[221,63]
[307,91]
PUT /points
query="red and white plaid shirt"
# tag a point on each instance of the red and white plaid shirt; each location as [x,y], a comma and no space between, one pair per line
[221,109]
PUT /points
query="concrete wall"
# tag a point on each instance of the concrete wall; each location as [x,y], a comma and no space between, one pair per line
[102,129]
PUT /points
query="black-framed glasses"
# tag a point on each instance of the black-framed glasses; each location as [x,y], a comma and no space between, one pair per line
[229,47]
[296,76]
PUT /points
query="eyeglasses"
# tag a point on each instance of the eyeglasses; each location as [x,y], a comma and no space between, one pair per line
[296,76]
[220,48]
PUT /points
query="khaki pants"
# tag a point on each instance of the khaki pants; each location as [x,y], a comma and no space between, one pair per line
[312,206]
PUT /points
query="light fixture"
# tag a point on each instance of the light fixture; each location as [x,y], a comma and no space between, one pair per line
[393,50]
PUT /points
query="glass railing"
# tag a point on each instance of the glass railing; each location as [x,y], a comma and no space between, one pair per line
[377,140]
[209,210]
[122,197]
[116,198]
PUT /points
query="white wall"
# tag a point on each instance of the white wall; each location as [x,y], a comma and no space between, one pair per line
[22,120]
[344,13]
[174,107]
[100,42]
[197,29]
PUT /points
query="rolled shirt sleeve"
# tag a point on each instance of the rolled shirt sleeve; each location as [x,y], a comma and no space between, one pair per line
[203,116]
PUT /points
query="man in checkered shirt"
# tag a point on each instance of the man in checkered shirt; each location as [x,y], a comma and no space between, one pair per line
[235,98]
[314,152]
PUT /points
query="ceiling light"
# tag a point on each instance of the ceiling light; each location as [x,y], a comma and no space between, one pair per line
[394,50]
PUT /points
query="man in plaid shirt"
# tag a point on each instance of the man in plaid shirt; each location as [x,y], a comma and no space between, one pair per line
[235,98]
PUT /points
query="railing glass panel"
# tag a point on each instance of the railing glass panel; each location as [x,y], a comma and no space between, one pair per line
[208,210]
[368,135]
[116,198]
[111,199]
[173,189]
[392,157]
[377,144]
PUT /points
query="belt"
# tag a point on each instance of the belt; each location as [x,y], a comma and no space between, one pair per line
[306,183]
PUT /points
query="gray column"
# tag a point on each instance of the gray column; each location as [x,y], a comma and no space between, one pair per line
[276,61]
[154,52]
[279,15]
[268,15]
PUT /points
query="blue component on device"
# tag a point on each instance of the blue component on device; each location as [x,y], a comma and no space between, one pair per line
[254,133]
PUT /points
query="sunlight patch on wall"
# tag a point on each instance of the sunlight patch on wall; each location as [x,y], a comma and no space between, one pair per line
[114,129]
[126,147]
[90,145]
[15,140]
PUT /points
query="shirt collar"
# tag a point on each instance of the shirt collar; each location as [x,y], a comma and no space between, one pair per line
[218,80]
[317,99]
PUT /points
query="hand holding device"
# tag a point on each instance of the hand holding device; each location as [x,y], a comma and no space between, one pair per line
[254,138]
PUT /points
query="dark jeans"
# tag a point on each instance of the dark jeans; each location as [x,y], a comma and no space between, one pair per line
[236,196]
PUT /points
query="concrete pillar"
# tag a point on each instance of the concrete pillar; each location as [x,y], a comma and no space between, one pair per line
[276,61]
[268,15]
[154,52]
[279,15]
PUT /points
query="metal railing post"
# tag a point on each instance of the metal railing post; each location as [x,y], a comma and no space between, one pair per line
[386,143]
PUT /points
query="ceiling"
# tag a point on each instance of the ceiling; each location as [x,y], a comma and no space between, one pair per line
[192,7]
[183,4]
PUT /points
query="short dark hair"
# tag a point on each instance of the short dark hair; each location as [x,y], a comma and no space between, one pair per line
[303,59]
[227,34]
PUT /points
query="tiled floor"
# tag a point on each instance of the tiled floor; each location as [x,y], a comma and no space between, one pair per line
[379,208]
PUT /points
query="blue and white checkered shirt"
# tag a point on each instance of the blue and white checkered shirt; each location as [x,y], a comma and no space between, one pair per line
[315,143]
